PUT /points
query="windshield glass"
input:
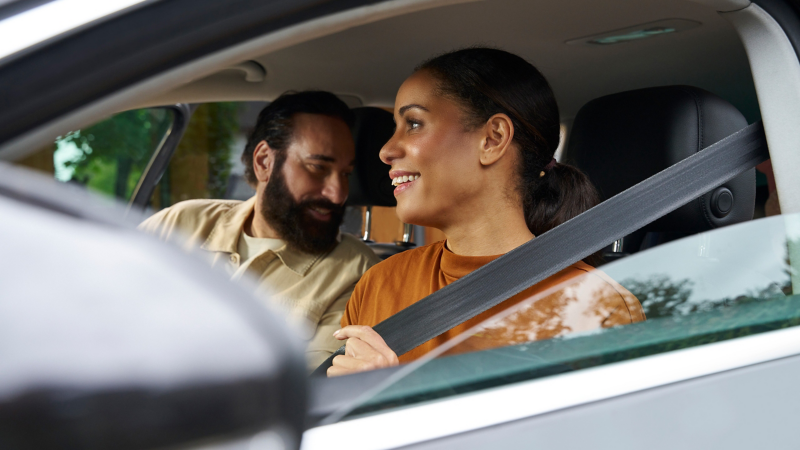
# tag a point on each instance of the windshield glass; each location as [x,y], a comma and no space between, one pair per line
[709,287]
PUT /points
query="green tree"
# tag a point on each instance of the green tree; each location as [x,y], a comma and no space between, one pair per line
[115,152]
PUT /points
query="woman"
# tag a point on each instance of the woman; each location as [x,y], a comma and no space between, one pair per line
[472,156]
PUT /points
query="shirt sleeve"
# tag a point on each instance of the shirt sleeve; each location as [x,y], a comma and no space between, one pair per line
[323,344]
[155,224]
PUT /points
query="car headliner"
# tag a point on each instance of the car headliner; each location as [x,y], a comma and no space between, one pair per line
[366,64]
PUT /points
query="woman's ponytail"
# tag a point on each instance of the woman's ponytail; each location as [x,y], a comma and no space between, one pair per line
[560,194]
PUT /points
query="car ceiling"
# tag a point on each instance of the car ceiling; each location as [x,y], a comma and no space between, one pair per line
[366,64]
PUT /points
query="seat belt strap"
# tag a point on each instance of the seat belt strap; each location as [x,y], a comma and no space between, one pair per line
[571,241]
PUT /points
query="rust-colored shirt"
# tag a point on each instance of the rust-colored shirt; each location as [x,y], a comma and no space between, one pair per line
[588,299]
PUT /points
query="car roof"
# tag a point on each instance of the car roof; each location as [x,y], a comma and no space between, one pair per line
[364,51]
[366,64]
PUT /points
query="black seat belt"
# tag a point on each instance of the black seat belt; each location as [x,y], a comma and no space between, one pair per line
[571,241]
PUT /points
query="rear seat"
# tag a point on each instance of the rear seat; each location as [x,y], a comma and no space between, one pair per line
[621,139]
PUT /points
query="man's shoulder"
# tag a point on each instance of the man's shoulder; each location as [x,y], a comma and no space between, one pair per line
[202,207]
[351,247]
[194,209]
[189,216]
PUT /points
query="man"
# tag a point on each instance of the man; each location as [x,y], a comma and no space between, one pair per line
[298,159]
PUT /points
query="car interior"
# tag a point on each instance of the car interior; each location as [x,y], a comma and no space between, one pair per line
[587,55]
[641,86]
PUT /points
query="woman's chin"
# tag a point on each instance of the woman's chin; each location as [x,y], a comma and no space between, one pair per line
[413,216]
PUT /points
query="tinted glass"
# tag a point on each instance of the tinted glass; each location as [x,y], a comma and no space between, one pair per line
[714,286]
[108,157]
[206,162]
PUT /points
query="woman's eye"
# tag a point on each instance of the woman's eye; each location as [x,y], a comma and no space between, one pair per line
[413,125]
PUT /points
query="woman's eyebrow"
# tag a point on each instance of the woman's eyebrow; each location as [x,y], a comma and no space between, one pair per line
[405,108]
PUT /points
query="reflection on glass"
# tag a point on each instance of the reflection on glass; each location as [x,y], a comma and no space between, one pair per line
[587,303]
[728,283]
[108,157]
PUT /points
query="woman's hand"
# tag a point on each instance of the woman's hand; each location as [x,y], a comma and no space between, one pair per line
[365,350]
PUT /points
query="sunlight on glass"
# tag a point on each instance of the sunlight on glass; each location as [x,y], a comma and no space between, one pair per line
[64,159]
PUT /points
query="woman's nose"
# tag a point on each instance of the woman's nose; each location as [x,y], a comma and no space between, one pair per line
[390,151]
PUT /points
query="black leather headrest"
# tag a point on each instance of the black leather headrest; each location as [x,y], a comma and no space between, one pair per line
[370,184]
[622,139]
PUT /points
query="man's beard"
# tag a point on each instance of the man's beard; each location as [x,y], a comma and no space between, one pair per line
[292,221]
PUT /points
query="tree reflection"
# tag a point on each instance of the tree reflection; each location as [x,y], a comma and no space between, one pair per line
[660,295]
[588,303]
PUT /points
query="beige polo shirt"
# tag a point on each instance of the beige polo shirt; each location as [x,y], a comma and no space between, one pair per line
[313,288]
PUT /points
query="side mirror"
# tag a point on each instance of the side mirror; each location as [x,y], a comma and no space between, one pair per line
[110,339]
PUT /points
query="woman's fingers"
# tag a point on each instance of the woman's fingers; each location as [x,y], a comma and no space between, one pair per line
[344,365]
[365,350]
[369,336]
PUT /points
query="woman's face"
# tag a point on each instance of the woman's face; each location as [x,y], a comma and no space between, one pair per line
[435,160]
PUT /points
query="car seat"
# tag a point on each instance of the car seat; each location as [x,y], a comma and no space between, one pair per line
[370,184]
[621,139]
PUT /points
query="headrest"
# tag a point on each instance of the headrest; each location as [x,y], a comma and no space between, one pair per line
[370,184]
[622,139]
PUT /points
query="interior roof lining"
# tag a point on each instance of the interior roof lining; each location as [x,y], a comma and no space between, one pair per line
[577,73]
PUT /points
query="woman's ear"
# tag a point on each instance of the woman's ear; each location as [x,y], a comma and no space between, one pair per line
[263,160]
[498,135]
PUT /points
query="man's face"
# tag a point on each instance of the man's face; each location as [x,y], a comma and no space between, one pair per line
[304,197]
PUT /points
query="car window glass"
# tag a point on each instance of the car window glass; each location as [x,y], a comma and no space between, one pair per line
[206,162]
[710,287]
[108,157]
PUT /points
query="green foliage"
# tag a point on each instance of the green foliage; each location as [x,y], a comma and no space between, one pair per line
[223,124]
[114,152]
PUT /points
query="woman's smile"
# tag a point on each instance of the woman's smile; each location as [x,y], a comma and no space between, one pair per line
[402,180]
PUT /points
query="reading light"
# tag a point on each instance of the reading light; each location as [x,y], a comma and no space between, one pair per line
[637,32]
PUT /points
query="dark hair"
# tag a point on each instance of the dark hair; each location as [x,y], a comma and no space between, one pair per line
[275,121]
[485,82]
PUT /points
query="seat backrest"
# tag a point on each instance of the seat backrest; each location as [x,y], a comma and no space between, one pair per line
[621,139]
[370,184]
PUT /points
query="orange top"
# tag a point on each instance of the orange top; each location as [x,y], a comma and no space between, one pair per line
[588,302]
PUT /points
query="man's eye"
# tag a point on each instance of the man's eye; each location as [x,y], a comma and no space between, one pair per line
[316,167]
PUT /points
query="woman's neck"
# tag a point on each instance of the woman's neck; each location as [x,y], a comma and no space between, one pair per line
[492,232]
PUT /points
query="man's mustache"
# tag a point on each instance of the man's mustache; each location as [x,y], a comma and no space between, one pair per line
[324,204]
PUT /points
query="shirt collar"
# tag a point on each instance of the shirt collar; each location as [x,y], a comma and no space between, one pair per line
[225,238]
[457,266]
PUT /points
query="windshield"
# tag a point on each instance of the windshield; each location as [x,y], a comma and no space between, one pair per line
[709,287]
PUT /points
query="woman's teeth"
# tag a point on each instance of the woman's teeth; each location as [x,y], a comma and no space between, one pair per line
[397,181]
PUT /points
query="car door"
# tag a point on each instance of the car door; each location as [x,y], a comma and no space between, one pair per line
[721,337]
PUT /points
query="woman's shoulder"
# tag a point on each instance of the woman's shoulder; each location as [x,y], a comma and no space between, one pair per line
[610,287]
